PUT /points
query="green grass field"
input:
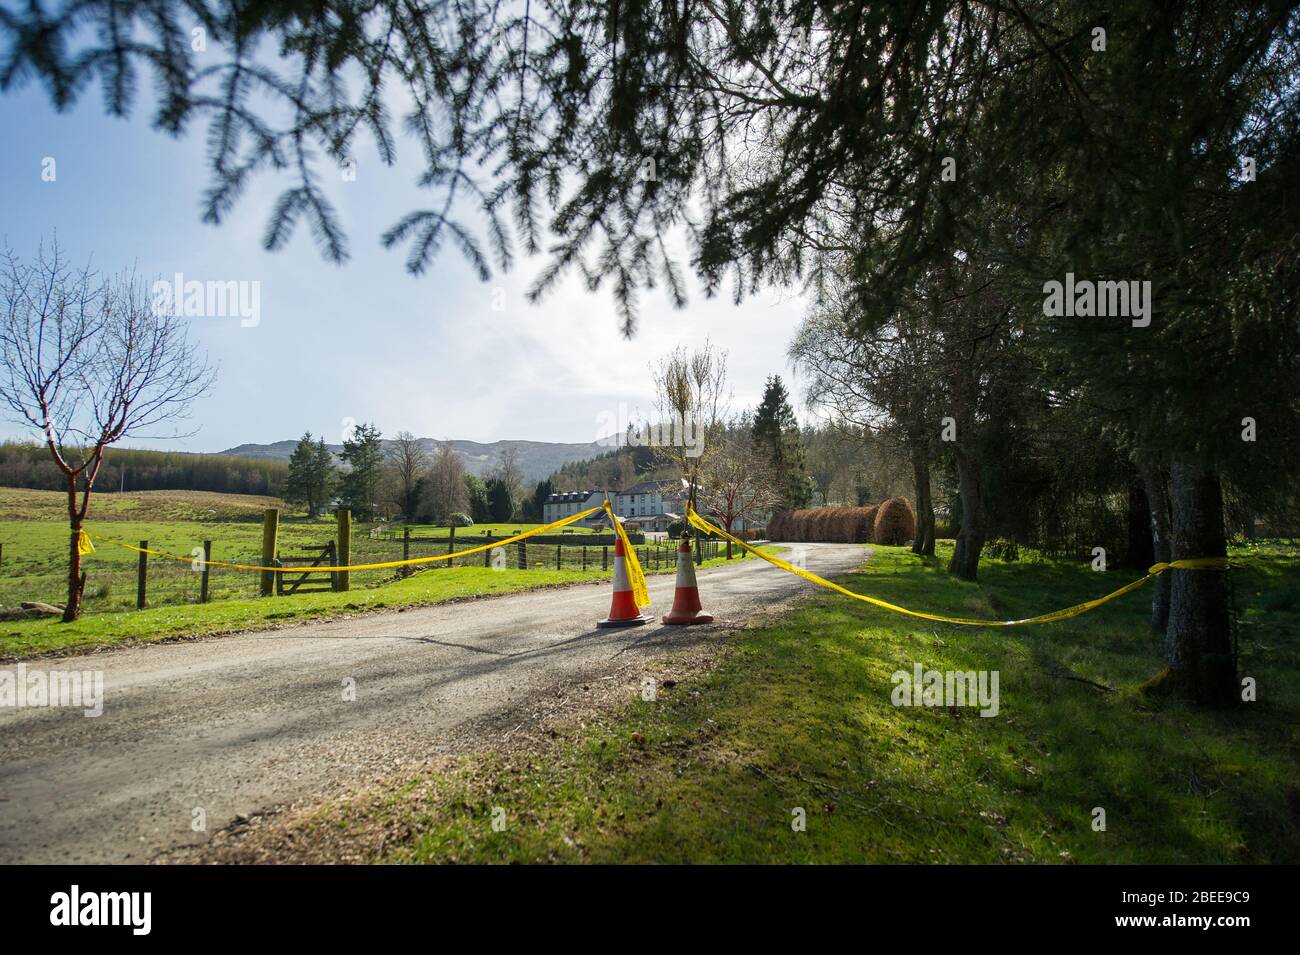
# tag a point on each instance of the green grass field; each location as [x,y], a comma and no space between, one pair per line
[799,716]
[35,559]
[34,535]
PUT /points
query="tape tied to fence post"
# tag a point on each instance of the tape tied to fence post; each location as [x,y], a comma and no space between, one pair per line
[383,565]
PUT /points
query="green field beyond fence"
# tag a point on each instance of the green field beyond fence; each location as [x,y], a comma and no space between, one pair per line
[33,553]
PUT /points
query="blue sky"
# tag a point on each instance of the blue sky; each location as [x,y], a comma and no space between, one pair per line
[365,340]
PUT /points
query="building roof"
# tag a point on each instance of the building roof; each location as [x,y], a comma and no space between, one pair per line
[571,497]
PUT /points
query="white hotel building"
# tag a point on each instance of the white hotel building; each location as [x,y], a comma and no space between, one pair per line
[652,504]
[571,502]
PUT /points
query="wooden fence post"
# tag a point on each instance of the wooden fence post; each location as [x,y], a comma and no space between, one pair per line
[141,574]
[203,581]
[487,557]
[451,543]
[604,557]
[557,556]
[270,534]
[523,555]
[584,556]
[344,518]
[406,548]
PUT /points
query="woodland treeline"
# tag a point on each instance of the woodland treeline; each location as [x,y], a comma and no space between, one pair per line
[29,465]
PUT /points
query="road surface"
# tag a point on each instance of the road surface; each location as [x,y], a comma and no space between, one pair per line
[230,726]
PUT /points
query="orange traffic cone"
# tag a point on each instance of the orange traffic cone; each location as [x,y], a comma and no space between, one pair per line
[623,611]
[686,598]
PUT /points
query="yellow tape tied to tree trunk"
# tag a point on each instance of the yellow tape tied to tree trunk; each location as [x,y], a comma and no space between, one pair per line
[1198,563]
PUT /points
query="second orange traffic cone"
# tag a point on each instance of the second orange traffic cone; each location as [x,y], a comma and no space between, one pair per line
[686,597]
[623,611]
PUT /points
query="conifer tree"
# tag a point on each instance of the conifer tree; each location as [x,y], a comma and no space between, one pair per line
[364,454]
[775,433]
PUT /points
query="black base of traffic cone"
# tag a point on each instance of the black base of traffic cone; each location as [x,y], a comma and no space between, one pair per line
[626,622]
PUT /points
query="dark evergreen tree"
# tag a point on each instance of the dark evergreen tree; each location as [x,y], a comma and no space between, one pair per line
[363,452]
[311,475]
[534,508]
[501,502]
[775,433]
[479,507]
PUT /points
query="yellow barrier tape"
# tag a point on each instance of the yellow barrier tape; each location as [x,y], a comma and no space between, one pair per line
[84,546]
[298,569]
[1196,563]
[635,575]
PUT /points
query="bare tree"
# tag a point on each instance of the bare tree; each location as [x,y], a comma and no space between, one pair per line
[510,473]
[88,362]
[444,485]
[691,404]
[407,461]
[737,483]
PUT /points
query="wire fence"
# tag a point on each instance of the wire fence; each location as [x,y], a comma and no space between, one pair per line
[113,573]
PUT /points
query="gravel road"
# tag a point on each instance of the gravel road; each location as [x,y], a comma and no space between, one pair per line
[235,725]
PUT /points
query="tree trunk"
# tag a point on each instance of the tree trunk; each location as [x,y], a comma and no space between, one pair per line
[1140,553]
[970,539]
[72,610]
[923,543]
[1198,641]
[1155,482]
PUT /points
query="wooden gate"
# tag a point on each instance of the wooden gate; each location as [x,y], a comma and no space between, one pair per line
[308,581]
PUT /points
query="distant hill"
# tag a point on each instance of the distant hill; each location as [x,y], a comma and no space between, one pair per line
[537,459]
